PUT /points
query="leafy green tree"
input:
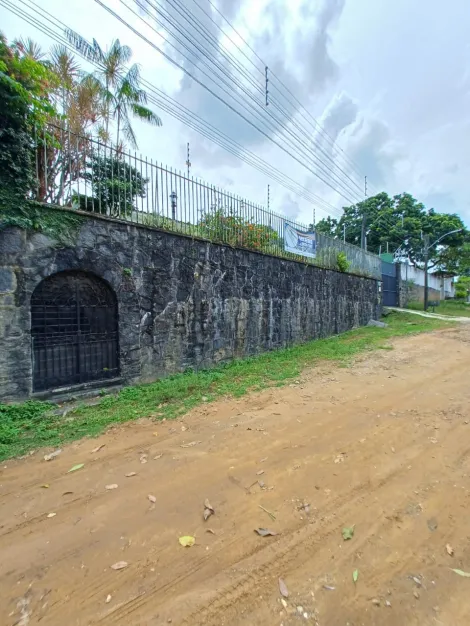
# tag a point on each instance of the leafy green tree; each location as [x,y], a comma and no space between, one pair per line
[115,185]
[121,92]
[25,85]
[399,223]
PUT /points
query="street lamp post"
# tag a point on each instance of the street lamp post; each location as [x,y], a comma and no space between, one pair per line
[427,247]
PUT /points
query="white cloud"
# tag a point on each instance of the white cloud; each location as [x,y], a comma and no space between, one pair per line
[389,81]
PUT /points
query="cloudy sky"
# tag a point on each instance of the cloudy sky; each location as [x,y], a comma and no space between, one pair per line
[389,82]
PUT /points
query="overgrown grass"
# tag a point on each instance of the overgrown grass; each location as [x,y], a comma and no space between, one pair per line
[456,308]
[33,424]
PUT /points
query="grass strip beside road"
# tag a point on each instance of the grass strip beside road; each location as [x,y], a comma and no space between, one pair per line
[446,307]
[30,425]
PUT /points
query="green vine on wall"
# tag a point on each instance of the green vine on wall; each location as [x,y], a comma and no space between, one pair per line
[31,216]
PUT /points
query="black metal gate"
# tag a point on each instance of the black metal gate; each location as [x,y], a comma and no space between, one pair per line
[74,330]
[389,284]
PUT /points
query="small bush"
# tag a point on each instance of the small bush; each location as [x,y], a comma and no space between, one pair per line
[342,262]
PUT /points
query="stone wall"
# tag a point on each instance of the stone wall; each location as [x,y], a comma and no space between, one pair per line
[181,302]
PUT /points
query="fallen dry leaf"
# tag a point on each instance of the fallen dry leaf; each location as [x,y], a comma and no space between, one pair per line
[51,514]
[159,456]
[208,505]
[187,541]
[131,474]
[143,458]
[190,445]
[260,473]
[98,448]
[109,487]
[209,530]
[450,550]
[108,598]
[52,455]
[67,493]
[119,565]
[76,467]
[207,514]
[155,434]
[283,588]
[461,573]
[265,532]
[45,486]
[152,499]
[183,428]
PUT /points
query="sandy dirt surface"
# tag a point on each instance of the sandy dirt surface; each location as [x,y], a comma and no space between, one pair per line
[383,445]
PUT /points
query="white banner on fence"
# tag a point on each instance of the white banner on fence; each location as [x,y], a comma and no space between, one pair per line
[299,241]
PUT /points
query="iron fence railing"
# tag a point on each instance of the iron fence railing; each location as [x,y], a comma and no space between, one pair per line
[86,174]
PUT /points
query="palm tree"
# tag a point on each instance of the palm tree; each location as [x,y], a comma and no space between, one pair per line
[28,48]
[121,93]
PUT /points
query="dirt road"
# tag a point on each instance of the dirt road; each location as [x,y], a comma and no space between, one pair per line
[383,446]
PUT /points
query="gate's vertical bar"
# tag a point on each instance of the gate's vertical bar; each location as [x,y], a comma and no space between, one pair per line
[45,165]
[99,174]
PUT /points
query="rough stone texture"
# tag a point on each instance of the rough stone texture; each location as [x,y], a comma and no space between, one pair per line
[182,302]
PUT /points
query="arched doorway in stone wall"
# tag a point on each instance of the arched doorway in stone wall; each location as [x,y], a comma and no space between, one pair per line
[74,330]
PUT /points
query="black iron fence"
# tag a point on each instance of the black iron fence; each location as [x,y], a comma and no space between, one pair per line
[86,174]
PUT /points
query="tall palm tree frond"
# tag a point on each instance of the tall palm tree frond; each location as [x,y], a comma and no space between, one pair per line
[64,65]
[91,51]
[29,48]
[145,114]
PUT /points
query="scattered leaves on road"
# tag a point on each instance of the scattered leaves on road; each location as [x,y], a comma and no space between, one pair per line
[108,598]
[461,573]
[98,448]
[152,499]
[260,473]
[190,445]
[159,456]
[51,514]
[45,486]
[143,458]
[119,565]
[432,524]
[355,575]
[265,532]
[348,532]
[76,467]
[109,487]
[329,587]
[271,515]
[450,550]
[208,509]
[187,541]
[130,474]
[283,588]
[52,455]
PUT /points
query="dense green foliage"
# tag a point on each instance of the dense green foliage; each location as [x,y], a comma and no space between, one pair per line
[398,223]
[31,425]
[225,226]
[114,185]
[25,86]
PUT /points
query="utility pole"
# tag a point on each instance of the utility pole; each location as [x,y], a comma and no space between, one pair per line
[344,233]
[188,162]
[266,86]
[313,224]
[268,198]
[363,225]
[426,260]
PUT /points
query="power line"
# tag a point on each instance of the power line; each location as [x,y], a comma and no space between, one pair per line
[299,153]
[220,48]
[169,105]
[291,98]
